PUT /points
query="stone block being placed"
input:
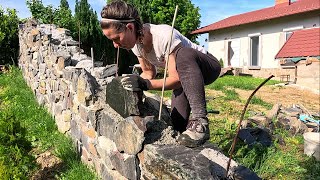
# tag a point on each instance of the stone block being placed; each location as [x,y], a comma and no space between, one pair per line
[124,102]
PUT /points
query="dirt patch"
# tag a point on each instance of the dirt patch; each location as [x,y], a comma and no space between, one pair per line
[49,164]
[287,96]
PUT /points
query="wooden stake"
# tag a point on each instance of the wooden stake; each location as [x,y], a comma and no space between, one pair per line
[118,52]
[92,57]
[166,67]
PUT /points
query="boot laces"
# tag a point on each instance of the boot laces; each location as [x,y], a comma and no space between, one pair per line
[195,125]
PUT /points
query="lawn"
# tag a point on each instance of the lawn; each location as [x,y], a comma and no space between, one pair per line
[27,130]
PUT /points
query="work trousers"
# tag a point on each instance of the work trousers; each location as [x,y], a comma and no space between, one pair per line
[195,70]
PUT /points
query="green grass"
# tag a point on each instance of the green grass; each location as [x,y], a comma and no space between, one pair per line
[240,82]
[17,99]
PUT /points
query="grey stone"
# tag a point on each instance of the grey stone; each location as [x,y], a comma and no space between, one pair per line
[86,64]
[260,120]
[84,112]
[86,88]
[79,57]
[105,147]
[129,135]
[125,102]
[94,115]
[293,112]
[42,68]
[75,129]
[106,126]
[175,162]
[69,42]
[126,165]
[104,72]
[109,174]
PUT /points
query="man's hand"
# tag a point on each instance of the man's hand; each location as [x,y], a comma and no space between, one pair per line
[133,82]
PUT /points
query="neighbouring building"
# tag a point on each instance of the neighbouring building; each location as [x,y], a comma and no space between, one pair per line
[283,40]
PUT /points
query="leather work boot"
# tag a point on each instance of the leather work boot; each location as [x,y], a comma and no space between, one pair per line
[196,134]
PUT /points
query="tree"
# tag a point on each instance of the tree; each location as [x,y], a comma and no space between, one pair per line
[162,12]
[45,14]
[9,40]
[63,16]
[91,33]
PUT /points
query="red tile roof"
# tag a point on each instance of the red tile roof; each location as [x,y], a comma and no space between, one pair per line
[302,43]
[282,10]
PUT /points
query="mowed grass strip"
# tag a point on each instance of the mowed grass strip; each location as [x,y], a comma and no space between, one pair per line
[18,102]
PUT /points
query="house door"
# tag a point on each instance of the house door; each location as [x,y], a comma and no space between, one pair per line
[234,53]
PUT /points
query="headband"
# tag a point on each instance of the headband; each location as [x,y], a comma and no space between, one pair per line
[117,20]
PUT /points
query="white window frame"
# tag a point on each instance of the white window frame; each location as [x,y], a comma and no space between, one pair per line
[289,31]
[250,51]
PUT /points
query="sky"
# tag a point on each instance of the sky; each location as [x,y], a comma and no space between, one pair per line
[210,10]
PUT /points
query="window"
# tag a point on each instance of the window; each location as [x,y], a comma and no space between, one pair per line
[288,35]
[254,53]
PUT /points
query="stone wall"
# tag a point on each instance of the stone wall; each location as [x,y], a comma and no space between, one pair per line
[115,131]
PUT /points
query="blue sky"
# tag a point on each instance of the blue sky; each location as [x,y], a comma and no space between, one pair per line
[211,10]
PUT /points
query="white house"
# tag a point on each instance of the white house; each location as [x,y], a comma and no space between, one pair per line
[253,42]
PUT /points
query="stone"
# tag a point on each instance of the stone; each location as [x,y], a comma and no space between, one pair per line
[107,124]
[66,115]
[124,102]
[69,42]
[109,174]
[94,115]
[86,88]
[293,112]
[84,112]
[126,165]
[86,64]
[175,162]
[79,57]
[271,114]
[75,129]
[151,106]
[42,68]
[260,120]
[220,162]
[129,135]
[104,72]
[105,148]
[296,126]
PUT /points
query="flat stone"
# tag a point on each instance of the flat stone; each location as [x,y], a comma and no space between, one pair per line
[104,72]
[260,120]
[176,162]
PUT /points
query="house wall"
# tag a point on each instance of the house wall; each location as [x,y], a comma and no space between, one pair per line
[272,38]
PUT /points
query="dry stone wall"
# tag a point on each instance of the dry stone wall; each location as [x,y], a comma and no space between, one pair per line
[116,132]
